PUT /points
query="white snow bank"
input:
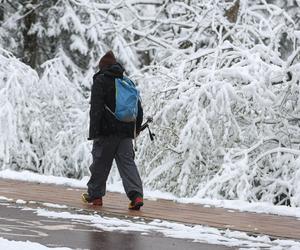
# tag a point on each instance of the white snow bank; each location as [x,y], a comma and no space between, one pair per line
[47,179]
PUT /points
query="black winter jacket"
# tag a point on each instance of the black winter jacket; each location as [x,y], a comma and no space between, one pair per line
[102,122]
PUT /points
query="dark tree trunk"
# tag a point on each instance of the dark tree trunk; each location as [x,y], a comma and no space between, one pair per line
[232,13]
[1,11]
[30,38]
[146,58]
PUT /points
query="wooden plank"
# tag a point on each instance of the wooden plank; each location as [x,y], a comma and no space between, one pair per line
[116,203]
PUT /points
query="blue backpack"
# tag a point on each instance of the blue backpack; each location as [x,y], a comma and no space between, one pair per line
[127,97]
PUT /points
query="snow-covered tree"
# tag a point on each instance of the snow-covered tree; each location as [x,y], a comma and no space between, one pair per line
[226,104]
[19,113]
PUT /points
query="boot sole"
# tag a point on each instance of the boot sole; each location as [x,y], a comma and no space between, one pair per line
[94,203]
[136,207]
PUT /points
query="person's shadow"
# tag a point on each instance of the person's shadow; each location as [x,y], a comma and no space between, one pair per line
[116,241]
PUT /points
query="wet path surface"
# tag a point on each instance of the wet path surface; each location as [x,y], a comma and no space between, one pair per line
[116,204]
[22,224]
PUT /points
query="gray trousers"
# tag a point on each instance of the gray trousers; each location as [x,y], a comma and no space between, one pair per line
[105,150]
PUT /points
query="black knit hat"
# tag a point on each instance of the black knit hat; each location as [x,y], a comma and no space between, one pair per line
[107,59]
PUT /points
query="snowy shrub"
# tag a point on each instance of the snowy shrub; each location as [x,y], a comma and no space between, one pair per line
[64,128]
[43,120]
[19,113]
[226,109]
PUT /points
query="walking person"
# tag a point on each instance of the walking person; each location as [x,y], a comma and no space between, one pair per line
[112,137]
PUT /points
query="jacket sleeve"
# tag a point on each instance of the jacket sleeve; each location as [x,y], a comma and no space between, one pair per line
[139,119]
[96,109]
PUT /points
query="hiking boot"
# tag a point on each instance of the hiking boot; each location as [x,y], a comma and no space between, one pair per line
[136,203]
[87,199]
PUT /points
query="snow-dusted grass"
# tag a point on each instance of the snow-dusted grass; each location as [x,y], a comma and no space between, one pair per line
[258,207]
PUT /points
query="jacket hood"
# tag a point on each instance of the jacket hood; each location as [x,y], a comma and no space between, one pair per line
[115,70]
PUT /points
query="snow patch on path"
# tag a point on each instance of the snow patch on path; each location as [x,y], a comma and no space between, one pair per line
[25,245]
[196,233]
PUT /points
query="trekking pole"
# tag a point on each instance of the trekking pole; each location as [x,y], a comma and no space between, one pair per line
[146,125]
[150,134]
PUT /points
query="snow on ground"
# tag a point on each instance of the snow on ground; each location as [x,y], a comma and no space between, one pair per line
[25,245]
[46,204]
[258,207]
[196,233]
[4,198]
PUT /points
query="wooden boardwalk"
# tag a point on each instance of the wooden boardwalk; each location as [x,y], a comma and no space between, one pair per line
[116,204]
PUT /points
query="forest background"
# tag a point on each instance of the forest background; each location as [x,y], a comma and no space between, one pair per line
[220,78]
